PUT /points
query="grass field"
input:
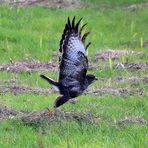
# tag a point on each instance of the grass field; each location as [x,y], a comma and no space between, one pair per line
[34,33]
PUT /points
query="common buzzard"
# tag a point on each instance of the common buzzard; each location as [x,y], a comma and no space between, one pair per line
[73,64]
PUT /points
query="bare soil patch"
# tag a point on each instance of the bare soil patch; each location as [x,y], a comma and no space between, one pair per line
[34,65]
[132,120]
[23,89]
[6,112]
[135,79]
[46,3]
[132,65]
[32,118]
[115,54]
[134,7]
[97,91]
[125,65]
[130,8]
[116,91]
[72,4]
[36,118]
[28,66]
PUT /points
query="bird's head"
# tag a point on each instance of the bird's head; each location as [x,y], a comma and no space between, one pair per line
[90,79]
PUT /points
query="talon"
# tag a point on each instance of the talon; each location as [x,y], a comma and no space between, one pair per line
[50,111]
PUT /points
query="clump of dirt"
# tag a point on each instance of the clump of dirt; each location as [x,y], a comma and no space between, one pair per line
[33,118]
[132,120]
[28,66]
[47,3]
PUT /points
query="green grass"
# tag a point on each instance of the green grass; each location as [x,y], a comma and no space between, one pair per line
[34,33]
[101,135]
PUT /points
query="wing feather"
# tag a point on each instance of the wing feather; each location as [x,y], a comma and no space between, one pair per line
[81,29]
[74,63]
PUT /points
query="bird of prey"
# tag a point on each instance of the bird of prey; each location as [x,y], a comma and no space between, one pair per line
[73,64]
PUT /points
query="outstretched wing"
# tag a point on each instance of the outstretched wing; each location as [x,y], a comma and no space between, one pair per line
[73,63]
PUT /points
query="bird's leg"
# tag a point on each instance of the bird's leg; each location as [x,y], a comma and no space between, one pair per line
[73,100]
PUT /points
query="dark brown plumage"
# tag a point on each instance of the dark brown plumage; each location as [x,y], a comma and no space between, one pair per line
[73,64]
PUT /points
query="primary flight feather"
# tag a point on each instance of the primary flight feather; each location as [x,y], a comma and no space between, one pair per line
[73,65]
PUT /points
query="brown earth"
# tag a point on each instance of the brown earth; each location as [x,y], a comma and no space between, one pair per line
[97,91]
[73,4]
[28,66]
[120,65]
[134,79]
[47,3]
[116,91]
[23,89]
[34,118]
[34,66]
[48,116]
[116,54]
[132,120]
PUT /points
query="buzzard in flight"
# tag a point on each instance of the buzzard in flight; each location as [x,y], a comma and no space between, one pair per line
[73,65]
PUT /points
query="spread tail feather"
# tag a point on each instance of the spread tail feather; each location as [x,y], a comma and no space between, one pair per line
[52,82]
